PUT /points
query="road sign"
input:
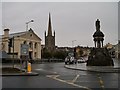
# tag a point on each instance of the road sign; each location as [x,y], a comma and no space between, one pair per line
[24,49]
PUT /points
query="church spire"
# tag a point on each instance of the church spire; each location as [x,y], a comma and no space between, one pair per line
[49,26]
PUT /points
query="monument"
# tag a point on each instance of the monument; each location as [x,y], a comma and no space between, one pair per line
[99,55]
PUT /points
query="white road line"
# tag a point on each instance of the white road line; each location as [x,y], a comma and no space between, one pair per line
[70,83]
[39,69]
[52,76]
[75,78]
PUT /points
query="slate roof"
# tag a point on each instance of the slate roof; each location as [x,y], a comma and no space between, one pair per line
[17,34]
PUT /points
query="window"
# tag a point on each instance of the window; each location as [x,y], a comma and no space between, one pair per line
[35,54]
[35,45]
[30,35]
[30,45]
[24,42]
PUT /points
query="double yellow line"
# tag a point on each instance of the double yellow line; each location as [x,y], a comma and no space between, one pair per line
[101,82]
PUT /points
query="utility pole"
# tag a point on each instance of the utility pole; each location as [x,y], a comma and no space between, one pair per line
[73,47]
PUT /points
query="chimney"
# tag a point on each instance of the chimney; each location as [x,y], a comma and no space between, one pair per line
[6,33]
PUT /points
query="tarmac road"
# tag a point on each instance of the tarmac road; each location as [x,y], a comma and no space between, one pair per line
[54,75]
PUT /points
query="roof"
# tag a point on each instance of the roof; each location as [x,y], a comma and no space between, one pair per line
[14,34]
[21,33]
[17,34]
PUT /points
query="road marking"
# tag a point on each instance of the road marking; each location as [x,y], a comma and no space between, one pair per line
[101,82]
[38,69]
[75,78]
[70,83]
[102,86]
[52,76]
[99,77]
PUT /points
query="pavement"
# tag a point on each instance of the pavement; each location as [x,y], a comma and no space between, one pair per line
[101,69]
[22,73]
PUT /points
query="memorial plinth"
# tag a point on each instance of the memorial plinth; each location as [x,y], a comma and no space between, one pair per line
[99,57]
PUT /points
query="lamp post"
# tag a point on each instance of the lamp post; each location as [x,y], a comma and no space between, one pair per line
[73,47]
[26,41]
[28,23]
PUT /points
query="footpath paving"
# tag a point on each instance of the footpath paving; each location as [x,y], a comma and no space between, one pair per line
[102,69]
[18,71]
[20,74]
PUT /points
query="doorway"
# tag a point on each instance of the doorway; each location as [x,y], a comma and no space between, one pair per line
[30,55]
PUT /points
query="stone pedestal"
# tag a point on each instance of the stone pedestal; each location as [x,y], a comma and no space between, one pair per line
[99,57]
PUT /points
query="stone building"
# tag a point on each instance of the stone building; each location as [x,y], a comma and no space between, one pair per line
[29,37]
[117,50]
[49,38]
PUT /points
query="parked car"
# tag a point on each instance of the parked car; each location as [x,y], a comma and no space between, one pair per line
[70,60]
[81,60]
[67,60]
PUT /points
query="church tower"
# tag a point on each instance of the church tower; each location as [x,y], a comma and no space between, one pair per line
[49,38]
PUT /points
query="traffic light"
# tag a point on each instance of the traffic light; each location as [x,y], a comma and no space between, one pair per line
[10,42]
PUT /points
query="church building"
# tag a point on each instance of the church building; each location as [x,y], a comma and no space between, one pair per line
[49,38]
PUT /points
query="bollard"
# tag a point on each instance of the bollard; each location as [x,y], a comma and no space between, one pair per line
[29,68]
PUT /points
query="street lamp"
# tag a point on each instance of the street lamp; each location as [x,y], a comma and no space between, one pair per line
[73,46]
[26,41]
[28,23]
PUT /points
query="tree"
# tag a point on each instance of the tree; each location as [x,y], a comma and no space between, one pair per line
[60,54]
[81,52]
[46,54]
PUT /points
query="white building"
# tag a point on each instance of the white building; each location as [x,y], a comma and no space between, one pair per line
[28,37]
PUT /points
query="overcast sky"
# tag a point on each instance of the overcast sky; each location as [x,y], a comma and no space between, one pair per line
[71,21]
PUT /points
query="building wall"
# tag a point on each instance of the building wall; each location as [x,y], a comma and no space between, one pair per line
[36,51]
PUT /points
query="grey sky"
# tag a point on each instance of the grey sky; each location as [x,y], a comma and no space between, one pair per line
[71,21]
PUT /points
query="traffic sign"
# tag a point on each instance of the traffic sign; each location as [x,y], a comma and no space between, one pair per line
[24,49]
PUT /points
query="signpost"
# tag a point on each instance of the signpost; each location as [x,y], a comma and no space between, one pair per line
[25,53]
[24,49]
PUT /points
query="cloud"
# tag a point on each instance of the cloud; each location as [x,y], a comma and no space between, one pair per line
[69,20]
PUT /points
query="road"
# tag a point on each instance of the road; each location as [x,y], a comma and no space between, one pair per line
[54,75]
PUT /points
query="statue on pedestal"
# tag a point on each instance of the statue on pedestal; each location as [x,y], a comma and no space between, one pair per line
[99,56]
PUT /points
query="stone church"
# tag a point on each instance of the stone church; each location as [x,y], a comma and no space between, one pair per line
[49,38]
